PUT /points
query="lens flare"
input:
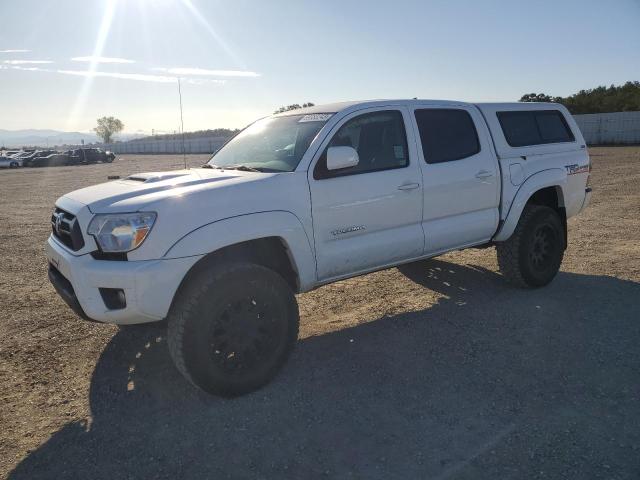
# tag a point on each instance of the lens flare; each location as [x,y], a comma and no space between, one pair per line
[101,39]
[203,21]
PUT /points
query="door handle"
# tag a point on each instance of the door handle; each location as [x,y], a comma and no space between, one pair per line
[408,186]
[484,174]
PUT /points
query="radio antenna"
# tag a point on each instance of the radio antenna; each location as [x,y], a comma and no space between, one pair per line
[184,156]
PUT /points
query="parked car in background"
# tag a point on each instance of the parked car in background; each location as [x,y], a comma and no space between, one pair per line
[90,155]
[10,162]
[24,153]
[55,159]
[31,159]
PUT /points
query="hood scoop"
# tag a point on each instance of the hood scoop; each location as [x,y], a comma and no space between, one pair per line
[152,177]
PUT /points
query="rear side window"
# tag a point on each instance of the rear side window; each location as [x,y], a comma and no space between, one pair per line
[446,134]
[534,127]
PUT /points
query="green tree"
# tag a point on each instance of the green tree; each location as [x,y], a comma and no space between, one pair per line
[536,97]
[621,98]
[107,128]
[295,106]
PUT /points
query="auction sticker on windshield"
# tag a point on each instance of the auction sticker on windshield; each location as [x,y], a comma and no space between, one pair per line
[315,117]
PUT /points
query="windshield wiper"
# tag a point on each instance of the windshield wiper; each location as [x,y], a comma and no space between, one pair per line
[243,168]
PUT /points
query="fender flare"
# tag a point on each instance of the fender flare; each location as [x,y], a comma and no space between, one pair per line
[554,177]
[229,231]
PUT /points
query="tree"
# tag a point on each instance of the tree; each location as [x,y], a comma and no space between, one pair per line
[623,98]
[107,128]
[536,97]
[295,106]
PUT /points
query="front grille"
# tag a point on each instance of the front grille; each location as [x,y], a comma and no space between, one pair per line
[65,227]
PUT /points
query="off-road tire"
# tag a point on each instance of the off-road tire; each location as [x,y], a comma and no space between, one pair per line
[522,259]
[244,303]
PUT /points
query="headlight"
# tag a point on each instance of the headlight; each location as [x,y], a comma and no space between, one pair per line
[121,232]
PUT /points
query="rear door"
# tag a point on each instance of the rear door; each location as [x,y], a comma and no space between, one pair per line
[369,215]
[461,177]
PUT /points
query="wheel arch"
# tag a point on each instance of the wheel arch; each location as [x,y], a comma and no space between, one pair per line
[270,252]
[276,240]
[552,197]
[543,188]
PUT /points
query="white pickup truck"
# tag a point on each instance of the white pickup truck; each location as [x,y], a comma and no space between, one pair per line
[309,197]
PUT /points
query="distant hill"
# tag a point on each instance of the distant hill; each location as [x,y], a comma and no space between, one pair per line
[51,138]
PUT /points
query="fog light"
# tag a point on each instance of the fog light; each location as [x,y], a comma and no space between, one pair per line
[113,298]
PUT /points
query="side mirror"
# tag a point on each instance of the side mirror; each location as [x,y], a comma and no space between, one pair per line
[341,157]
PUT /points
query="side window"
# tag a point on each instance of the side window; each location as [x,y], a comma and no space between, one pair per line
[446,134]
[534,127]
[379,138]
[553,127]
[519,128]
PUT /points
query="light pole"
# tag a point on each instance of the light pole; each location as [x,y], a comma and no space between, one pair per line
[184,156]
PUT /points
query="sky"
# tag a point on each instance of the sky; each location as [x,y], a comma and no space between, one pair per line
[64,63]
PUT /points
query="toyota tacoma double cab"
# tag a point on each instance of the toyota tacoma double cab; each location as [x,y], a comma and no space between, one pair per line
[309,197]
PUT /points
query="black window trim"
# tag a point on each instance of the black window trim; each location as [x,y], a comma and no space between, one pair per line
[550,110]
[317,175]
[475,130]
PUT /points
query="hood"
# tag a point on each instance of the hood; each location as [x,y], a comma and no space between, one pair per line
[132,193]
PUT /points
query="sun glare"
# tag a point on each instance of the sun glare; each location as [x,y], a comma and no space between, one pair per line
[101,39]
[218,39]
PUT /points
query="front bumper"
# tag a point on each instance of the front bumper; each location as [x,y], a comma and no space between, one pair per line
[66,291]
[149,285]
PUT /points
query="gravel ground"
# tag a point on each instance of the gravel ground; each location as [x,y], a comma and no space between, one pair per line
[436,370]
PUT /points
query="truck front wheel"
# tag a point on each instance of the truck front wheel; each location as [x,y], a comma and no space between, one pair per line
[531,257]
[232,327]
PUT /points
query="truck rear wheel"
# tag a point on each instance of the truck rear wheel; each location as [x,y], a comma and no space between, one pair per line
[232,328]
[533,254]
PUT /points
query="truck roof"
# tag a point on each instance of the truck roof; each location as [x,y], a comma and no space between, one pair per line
[488,110]
[348,105]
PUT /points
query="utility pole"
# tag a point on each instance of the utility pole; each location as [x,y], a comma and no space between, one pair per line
[184,156]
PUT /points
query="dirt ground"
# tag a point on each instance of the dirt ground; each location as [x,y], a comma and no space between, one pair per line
[437,370]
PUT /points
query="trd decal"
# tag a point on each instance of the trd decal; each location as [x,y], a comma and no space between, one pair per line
[575,169]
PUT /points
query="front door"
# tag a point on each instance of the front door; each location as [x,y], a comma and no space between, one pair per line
[369,215]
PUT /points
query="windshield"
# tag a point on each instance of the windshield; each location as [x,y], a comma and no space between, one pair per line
[272,144]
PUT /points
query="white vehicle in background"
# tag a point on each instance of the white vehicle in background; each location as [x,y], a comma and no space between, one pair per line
[10,162]
[309,197]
